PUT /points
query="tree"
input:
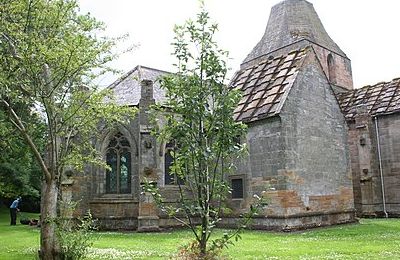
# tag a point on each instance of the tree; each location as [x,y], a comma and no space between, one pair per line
[199,119]
[50,54]
[19,173]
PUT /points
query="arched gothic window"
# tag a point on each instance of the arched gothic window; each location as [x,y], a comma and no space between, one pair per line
[118,157]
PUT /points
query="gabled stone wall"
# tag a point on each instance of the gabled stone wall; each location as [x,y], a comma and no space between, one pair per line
[301,158]
[317,154]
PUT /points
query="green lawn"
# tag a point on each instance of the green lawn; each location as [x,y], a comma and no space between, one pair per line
[371,239]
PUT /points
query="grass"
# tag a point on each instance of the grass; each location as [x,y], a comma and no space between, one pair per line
[371,239]
[17,242]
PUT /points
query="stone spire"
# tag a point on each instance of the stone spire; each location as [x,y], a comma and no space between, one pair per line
[292,21]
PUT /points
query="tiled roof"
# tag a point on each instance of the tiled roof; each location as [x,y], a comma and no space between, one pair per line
[265,85]
[127,88]
[382,98]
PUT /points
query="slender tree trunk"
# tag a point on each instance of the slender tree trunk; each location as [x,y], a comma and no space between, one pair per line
[203,238]
[49,247]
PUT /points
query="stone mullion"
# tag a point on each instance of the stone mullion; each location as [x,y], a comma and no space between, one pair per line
[118,172]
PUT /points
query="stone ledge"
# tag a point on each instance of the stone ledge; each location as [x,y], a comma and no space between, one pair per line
[113,201]
[309,214]
[298,215]
[280,223]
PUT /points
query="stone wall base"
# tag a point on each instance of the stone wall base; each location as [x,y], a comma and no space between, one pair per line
[376,210]
[294,222]
[148,224]
[117,223]
[380,214]
[278,223]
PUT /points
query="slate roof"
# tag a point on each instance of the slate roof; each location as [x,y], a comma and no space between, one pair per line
[382,98]
[266,85]
[127,88]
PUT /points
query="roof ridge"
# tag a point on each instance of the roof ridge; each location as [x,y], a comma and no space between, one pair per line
[123,77]
[151,68]
[379,83]
[136,68]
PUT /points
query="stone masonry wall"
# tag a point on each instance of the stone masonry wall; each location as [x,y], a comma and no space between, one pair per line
[301,158]
[342,67]
[317,176]
[113,211]
[365,164]
[389,135]
[317,155]
[259,168]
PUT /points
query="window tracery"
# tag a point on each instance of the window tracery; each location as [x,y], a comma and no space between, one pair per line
[118,158]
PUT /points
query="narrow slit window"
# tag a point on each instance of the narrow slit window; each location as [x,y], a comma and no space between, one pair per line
[331,68]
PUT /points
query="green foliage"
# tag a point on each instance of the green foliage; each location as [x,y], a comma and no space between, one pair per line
[20,175]
[39,32]
[49,56]
[76,238]
[198,117]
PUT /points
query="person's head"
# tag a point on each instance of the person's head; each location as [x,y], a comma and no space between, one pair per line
[19,198]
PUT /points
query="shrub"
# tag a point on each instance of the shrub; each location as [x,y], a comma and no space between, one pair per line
[75,236]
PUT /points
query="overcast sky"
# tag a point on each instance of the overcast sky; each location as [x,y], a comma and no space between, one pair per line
[367,31]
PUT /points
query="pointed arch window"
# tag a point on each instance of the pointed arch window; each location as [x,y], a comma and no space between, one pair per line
[118,158]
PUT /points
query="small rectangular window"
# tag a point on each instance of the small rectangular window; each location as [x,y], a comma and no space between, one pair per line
[237,188]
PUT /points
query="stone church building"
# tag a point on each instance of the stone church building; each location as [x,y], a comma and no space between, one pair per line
[324,151]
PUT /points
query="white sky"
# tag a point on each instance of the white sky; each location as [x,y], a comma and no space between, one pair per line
[367,31]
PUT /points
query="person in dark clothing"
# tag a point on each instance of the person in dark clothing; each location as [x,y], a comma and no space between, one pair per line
[13,211]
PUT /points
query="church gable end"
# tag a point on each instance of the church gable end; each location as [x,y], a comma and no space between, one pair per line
[316,149]
[127,89]
[297,141]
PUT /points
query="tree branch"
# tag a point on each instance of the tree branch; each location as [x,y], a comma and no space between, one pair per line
[19,125]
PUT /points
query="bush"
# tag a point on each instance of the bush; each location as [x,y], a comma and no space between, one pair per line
[75,236]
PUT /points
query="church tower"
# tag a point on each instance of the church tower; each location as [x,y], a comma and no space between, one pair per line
[297,134]
[293,24]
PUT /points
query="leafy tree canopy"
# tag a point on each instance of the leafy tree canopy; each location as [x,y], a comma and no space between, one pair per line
[50,54]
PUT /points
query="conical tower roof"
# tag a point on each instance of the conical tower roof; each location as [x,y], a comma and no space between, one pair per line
[291,21]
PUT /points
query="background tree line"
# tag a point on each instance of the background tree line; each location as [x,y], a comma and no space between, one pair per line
[20,174]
